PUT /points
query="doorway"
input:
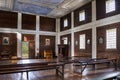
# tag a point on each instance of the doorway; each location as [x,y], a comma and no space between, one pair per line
[25,49]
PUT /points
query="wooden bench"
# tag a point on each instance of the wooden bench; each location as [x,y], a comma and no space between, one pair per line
[17,67]
[85,62]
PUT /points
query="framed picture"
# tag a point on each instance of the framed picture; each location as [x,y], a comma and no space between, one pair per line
[88,41]
[5,41]
[101,40]
[47,42]
[76,42]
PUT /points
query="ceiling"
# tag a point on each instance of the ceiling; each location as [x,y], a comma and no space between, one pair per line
[50,8]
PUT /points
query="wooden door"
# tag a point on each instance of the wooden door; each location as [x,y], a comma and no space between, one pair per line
[31,49]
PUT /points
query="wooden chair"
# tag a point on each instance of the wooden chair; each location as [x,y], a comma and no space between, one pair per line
[48,54]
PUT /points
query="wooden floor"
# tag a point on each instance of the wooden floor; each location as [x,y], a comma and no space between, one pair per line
[71,73]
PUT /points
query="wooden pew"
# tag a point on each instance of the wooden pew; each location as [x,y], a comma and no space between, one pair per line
[85,62]
[9,66]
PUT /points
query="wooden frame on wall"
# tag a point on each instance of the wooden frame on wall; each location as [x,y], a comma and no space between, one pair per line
[5,41]
[47,42]
[101,40]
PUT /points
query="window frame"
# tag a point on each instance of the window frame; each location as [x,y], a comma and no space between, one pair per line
[65,40]
[83,46]
[82,13]
[108,6]
[65,22]
[2,3]
[115,47]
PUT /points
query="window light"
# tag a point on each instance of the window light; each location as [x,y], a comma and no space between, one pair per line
[110,6]
[65,22]
[65,40]
[111,38]
[2,3]
[82,15]
[82,41]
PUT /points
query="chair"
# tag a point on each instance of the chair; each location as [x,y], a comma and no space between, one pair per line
[48,54]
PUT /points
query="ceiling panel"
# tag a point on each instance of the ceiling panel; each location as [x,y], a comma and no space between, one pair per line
[50,8]
[31,8]
[52,2]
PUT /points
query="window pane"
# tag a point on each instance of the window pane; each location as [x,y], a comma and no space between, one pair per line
[2,3]
[111,39]
[65,40]
[82,41]
[110,6]
[65,22]
[81,15]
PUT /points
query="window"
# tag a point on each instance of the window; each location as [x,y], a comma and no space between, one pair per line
[110,6]
[65,40]
[2,3]
[82,41]
[65,22]
[111,38]
[6,4]
[82,15]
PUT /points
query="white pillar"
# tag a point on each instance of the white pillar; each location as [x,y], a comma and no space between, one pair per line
[19,36]
[37,36]
[19,21]
[94,43]
[57,35]
[72,34]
